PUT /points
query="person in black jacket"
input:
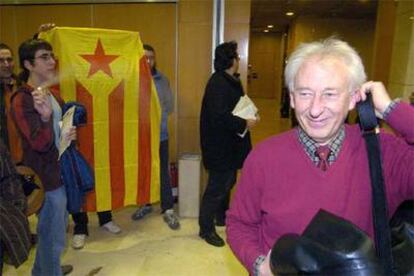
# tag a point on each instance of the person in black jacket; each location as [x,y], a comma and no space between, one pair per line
[225,139]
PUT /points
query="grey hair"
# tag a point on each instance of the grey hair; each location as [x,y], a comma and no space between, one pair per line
[330,47]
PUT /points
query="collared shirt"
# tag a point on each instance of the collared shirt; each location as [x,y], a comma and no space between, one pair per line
[310,145]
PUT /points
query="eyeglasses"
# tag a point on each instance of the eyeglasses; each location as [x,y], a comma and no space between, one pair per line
[46,56]
[6,60]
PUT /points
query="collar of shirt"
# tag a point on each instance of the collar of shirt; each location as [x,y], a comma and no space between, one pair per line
[310,145]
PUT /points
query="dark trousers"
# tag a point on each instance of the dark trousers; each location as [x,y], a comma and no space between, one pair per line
[167,199]
[216,198]
[81,221]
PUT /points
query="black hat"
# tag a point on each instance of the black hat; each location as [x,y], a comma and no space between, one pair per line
[330,245]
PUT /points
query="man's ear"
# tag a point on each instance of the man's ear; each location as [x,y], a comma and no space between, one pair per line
[28,65]
[354,100]
[292,100]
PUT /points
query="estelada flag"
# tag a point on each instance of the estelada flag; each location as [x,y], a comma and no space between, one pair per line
[106,71]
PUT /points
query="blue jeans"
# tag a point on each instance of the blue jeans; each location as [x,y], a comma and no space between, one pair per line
[51,233]
[167,199]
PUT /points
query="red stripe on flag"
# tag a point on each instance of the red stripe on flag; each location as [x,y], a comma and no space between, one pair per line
[116,145]
[144,144]
[85,138]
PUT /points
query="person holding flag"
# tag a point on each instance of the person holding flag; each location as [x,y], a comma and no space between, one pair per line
[166,100]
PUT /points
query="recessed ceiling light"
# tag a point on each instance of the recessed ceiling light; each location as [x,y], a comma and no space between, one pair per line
[290,13]
[270,26]
[411,17]
[266,31]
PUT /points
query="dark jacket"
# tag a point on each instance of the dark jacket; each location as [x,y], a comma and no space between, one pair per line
[221,147]
[39,150]
[14,226]
[77,176]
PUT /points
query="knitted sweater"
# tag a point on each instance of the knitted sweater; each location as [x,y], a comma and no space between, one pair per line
[280,189]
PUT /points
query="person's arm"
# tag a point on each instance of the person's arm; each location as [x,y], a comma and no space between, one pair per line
[244,216]
[398,115]
[36,130]
[221,114]
[44,28]
[397,152]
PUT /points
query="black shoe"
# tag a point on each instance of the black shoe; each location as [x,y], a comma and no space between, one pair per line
[66,269]
[213,239]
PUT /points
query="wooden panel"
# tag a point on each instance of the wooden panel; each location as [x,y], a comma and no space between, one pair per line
[7,26]
[237,11]
[358,32]
[383,40]
[265,58]
[189,135]
[27,19]
[194,69]
[200,11]
[237,18]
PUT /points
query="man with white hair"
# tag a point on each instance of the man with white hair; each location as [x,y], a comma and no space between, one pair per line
[321,164]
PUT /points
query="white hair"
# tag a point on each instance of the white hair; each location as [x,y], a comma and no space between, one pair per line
[330,47]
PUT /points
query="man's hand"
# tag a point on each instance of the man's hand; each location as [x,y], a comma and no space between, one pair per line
[46,27]
[380,97]
[42,103]
[250,123]
[264,269]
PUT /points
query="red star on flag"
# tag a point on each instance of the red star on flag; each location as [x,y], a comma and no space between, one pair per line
[99,61]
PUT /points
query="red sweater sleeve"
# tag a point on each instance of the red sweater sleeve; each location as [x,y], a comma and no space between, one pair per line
[38,134]
[244,216]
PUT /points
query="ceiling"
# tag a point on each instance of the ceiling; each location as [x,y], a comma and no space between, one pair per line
[272,12]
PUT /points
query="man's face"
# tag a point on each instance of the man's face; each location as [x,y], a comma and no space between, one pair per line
[321,97]
[6,63]
[43,67]
[150,55]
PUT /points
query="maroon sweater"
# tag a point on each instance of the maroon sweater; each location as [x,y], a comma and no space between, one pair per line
[39,150]
[281,189]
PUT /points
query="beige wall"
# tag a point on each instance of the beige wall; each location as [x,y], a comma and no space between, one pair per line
[401,80]
[384,36]
[359,33]
[156,24]
[237,27]
[194,68]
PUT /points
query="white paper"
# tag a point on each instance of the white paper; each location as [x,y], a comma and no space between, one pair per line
[67,124]
[245,109]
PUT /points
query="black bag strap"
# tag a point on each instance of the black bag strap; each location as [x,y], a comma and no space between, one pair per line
[382,233]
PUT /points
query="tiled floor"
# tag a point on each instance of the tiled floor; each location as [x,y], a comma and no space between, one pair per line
[149,247]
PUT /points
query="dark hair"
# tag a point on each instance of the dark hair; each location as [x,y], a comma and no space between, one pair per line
[5,46]
[148,47]
[27,51]
[224,55]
